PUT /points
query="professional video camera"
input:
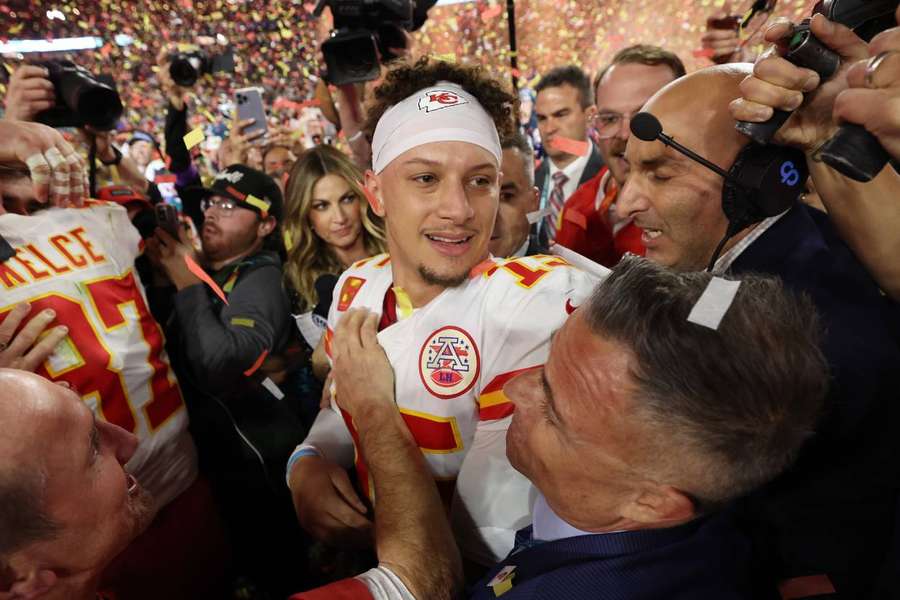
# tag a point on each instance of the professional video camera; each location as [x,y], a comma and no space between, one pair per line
[852,151]
[81,99]
[364,32]
[187,67]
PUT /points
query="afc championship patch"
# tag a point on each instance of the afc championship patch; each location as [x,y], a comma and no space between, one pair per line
[433,100]
[449,362]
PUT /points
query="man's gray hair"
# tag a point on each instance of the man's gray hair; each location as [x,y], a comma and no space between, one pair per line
[22,517]
[724,410]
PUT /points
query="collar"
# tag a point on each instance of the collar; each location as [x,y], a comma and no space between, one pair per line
[549,527]
[724,262]
[574,169]
[523,249]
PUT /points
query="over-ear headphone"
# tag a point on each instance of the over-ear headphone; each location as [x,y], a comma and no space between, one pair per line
[763,181]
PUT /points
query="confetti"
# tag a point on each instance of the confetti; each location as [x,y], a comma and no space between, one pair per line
[197,270]
[256,365]
[193,138]
[576,147]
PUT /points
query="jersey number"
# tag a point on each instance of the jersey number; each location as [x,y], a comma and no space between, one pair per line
[98,378]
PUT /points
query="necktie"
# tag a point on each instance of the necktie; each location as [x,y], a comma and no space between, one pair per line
[557,200]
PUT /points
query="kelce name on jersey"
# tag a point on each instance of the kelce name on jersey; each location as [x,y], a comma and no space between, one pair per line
[57,254]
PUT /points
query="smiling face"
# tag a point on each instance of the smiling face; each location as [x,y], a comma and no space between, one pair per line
[439,201]
[675,201]
[334,212]
[624,89]
[98,507]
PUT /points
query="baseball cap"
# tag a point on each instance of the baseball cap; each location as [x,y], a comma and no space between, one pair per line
[248,188]
[141,136]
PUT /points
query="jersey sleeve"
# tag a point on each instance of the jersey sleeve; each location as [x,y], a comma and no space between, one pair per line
[379,583]
[530,299]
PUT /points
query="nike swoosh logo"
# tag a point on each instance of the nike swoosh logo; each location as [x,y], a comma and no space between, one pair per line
[569,308]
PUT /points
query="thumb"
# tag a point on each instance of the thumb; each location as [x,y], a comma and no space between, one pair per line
[839,38]
[343,486]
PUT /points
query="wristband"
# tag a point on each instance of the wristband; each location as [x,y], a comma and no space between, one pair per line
[298,453]
[117,158]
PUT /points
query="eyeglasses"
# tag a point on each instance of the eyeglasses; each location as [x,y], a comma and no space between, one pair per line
[222,205]
[608,124]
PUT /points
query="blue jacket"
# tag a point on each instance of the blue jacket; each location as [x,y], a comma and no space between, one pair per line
[833,513]
[703,559]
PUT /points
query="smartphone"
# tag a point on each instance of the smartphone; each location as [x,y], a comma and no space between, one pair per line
[250,106]
[167,219]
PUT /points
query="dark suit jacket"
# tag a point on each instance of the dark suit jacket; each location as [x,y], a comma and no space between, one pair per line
[593,166]
[704,559]
[834,511]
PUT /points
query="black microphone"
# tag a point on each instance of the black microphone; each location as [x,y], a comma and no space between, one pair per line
[648,128]
[325,291]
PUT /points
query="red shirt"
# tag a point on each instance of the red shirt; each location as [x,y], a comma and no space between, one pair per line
[589,228]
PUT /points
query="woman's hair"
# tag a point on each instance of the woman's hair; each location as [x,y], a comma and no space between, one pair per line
[308,256]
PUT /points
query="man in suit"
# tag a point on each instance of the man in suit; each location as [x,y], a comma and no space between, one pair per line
[590,224]
[564,108]
[513,234]
[641,426]
[828,520]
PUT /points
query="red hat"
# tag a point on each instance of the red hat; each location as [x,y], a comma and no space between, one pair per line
[121,194]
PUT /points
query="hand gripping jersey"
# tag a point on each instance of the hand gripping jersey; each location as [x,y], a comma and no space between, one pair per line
[80,263]
[451,359]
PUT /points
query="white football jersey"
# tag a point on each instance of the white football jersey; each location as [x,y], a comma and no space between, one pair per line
[451,359]
[80,263]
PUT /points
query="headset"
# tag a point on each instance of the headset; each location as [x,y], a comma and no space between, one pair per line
[764,181]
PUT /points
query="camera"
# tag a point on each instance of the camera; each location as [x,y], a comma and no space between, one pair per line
[366,30]
[187,67]
[81,99]
[852,151]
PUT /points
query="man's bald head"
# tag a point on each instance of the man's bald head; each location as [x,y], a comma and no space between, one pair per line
[694,110]
[26,403]
[674,200]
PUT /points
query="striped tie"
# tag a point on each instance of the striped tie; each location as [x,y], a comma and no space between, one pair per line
[557,200]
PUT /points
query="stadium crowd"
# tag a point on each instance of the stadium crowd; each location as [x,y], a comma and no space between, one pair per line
[429,337]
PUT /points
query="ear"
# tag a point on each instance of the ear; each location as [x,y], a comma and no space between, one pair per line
[660,505]
[590,111]
[266,226]
[372,189]
[27,586]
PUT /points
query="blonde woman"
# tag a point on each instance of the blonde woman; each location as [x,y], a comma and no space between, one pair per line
[328,224]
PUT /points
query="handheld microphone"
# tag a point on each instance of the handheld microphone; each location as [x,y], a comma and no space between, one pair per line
[646,127]
[325,291]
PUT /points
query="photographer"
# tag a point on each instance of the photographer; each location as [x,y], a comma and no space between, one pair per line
[244,427]
[866,215]
[31,92]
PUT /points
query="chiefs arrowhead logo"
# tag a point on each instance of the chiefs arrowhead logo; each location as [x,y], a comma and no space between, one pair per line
[433,100]
[569,308]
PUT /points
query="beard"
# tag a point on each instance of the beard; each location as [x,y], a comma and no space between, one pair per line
[447,281]
[142,508]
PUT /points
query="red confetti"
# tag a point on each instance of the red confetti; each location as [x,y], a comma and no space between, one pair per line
[570,146]
[259,361]
[491,12]
[203,276]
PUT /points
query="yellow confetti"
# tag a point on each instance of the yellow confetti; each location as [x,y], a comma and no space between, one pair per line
[194,138]
[262,205]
